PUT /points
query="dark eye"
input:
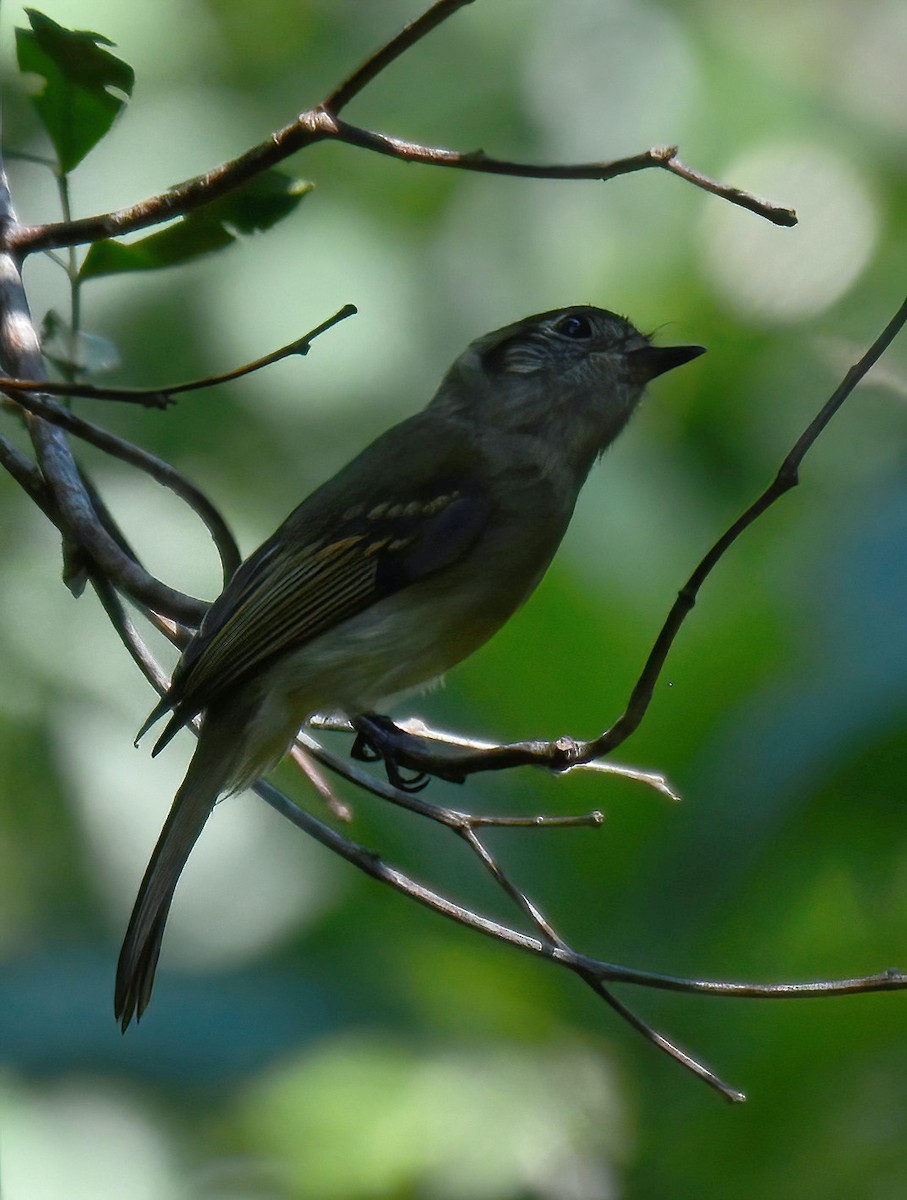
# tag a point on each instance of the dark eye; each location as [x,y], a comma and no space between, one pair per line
[574,327]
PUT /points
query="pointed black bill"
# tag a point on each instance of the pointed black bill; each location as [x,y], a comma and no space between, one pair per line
[651,361]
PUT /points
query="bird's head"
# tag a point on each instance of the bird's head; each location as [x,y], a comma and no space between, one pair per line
[572,373]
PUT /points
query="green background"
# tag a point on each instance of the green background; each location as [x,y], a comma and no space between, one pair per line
[312,1034]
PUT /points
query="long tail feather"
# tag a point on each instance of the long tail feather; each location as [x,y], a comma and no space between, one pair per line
[208,775]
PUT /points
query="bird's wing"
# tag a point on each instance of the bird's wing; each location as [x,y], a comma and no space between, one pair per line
[322,566]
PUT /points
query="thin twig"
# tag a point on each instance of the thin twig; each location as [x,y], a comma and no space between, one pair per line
[457,742]
[334,804]
[594,972]
[466,827]
[699,1069]
[453,818]
[777,214]
[477,160]
[590,820]
[128,633]
[786,478]
[594,981]
[373,66]
[161,397]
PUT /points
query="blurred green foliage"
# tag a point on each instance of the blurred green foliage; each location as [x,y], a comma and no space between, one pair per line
[312,1035]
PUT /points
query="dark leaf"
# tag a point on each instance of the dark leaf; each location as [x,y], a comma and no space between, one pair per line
[254,207]
[85,86]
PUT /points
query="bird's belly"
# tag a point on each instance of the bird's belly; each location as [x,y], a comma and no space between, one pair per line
[397,644]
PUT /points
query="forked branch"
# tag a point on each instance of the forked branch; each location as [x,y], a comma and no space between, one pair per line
[322,123]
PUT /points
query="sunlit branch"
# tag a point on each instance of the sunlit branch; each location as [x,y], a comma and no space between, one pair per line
[161,397]
[322,123]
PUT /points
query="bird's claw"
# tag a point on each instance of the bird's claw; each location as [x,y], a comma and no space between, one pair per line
[381,739]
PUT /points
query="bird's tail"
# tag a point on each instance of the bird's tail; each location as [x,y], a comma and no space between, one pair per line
[207,777]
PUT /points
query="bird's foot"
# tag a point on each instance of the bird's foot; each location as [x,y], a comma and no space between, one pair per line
[377,737]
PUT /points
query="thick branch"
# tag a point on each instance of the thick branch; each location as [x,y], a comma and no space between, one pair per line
[27,475]
[20,355]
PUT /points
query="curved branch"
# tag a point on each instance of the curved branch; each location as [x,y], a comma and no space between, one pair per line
[29,478]
[317,125]
[477,160]
[22,356]
[162,472]
[322,123]
[786,479]
[161,397]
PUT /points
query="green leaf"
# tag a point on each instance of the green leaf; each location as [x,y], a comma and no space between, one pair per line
[254,207]
[84,85]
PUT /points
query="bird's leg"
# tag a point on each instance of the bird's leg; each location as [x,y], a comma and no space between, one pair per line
[378,737]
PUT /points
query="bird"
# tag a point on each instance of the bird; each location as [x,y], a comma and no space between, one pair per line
[393,571]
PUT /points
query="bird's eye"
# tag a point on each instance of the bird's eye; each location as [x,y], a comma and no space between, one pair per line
[574,327]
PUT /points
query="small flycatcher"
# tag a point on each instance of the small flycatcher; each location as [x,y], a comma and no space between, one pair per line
[399,567]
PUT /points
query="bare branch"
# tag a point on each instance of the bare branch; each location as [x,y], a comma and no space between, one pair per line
[21,355]
[128,633]
[159,470]
[26,474]
[453,818]
[699,1069]
[418,729]
[652,779]
[590,820]
[318,125]
[321,123]
[550,946]
[478,160]
[334,804]
[776,213]
[372,67]
[786,479]
[161,397]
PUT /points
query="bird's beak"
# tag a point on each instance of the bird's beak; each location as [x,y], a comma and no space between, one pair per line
[650,361]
